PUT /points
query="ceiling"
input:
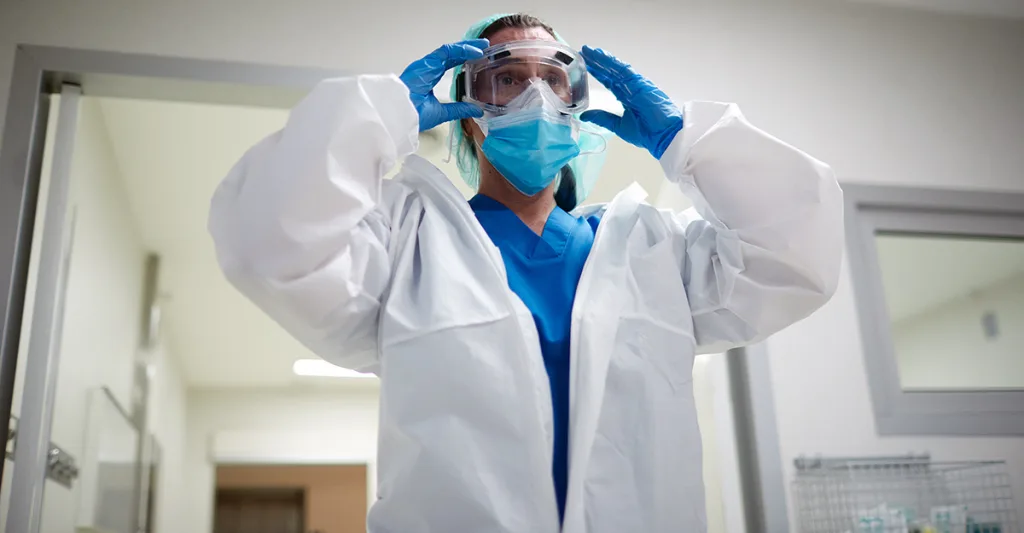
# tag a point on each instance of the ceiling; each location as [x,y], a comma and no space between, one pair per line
[172,155]
[987,8]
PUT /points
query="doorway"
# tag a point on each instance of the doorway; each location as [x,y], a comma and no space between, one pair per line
[288,498]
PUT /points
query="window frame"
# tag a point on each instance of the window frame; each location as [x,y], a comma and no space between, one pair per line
[871,209]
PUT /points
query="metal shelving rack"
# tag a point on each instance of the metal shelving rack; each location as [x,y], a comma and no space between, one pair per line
[908,494]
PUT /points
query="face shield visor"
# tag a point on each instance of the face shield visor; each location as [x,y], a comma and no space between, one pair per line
[506,71]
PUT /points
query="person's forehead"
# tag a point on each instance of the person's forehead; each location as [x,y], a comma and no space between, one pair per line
[520,34]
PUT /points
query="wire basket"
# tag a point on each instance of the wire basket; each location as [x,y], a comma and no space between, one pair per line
[910,494]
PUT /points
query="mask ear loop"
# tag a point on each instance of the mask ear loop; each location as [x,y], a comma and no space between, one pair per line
[604,142]
[451,135]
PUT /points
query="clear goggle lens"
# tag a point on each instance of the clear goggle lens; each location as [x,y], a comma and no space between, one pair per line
[508,69]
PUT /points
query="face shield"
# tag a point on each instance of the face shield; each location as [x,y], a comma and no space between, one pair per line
[496,81]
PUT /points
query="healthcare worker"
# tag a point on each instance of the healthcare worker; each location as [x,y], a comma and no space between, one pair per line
[535,363]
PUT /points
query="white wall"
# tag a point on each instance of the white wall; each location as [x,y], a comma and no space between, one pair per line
[946,346]
[167,411]
[101,318]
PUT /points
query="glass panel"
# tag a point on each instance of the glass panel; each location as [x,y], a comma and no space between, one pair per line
[110,468]
[956,307]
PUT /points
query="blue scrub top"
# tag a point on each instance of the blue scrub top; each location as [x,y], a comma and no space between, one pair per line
[544,270]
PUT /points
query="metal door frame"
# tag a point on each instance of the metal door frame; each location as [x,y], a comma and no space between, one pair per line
[40,71]
[33,446]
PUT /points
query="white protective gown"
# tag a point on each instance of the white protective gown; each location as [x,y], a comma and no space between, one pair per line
[398,277]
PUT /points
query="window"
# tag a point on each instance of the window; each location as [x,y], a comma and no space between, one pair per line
[939,284]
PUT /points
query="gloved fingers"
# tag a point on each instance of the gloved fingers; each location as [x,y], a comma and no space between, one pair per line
[455,54]
[422,75]
[604,65]
[461,110]
[604,119]
[610,71]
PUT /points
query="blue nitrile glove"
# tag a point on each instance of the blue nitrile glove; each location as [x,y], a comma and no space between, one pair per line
[421,77]
[651,120]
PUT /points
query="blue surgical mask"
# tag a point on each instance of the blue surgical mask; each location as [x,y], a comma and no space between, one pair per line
[531,143]
[530,147]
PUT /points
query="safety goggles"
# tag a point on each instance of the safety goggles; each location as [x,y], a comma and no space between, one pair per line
[507,70]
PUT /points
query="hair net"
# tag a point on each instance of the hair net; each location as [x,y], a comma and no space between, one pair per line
[593,139]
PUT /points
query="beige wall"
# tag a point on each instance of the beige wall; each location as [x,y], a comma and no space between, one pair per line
[335,495]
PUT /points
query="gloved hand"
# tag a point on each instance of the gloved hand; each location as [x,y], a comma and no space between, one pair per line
[651,120]
[421,77]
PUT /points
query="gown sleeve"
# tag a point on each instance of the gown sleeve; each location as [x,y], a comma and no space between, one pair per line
[761,248]
[300,224]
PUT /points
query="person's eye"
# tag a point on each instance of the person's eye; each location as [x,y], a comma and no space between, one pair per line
[506,81]
[553,81]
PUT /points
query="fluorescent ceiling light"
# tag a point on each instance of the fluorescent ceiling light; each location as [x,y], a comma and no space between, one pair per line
[321,368]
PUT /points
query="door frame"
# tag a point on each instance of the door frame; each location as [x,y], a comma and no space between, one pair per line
[40,71]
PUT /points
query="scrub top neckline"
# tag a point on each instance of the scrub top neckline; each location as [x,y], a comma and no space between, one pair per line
[552,241]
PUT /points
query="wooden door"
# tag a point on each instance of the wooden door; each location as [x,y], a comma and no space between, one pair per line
[259,511]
